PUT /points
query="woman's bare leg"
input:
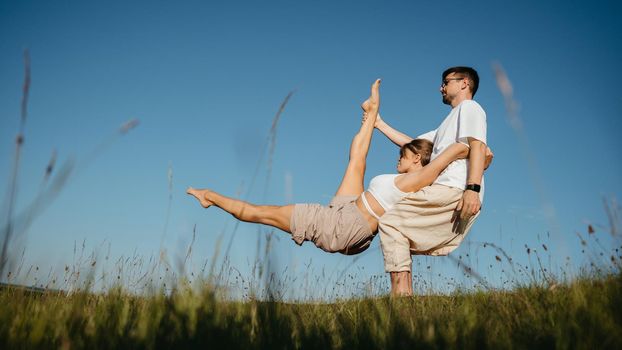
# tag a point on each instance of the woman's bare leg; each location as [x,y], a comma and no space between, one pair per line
[272,215]
[352,183]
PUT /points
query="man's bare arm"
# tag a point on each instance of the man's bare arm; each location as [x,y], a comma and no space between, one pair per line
[397,137]
[470,204]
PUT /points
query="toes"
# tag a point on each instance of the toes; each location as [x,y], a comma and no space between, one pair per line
[375,95]
[193,192]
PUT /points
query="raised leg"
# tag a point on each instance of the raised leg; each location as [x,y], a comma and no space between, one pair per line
[352,182]
[272,215]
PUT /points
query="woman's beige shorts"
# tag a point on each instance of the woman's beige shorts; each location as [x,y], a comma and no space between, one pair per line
[339,227]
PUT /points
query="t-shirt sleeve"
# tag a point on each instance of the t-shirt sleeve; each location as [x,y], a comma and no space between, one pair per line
[471,122]
[430,135]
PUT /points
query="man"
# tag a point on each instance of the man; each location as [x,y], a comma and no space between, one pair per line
[434,220]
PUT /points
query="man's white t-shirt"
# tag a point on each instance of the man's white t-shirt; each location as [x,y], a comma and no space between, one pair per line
[467,119]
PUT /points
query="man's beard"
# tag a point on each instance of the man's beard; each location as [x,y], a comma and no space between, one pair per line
[446,100]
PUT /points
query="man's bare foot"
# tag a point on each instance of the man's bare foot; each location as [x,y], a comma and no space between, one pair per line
[372,104]
[201,195]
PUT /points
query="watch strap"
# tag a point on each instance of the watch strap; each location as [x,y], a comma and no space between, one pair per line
[474,187]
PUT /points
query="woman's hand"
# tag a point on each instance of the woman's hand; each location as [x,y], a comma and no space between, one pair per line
[378,122]
[464,153]
[462,149]
[488,158]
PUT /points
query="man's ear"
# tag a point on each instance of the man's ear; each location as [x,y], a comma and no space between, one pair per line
[466,83]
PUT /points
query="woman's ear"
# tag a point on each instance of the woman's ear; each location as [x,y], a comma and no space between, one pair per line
[417,158]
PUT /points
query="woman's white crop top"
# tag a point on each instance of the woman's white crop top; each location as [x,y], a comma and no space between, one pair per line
[384,190]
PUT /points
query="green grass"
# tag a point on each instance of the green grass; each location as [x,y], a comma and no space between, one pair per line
[584,314]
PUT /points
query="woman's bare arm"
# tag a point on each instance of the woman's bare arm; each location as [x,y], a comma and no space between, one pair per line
[397,137]
[413,182]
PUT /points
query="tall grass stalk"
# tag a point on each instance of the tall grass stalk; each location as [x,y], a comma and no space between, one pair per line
[517,124]
[19,141]
[16,224]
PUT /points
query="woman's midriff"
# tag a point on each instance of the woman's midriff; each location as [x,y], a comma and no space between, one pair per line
[375,206]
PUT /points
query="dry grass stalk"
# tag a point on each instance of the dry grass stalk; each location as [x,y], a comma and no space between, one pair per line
[548,209]
[19,140]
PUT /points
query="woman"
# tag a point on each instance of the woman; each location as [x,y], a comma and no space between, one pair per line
[348,224]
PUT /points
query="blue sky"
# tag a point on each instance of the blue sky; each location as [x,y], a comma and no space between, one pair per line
[205,79]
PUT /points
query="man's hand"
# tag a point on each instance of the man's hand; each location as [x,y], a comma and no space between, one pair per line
[468,205]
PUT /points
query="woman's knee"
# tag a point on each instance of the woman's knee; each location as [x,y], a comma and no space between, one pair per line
[356,148]
[357,156]
[277,216]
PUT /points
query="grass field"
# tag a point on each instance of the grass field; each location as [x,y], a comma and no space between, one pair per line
[586,313]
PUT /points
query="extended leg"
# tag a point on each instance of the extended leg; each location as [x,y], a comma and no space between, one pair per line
[272,215]
[352,183]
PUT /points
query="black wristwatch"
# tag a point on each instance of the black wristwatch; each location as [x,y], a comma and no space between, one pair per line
[473,187]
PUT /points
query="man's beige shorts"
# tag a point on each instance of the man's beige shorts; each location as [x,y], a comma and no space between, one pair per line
[339,227]
[421,224]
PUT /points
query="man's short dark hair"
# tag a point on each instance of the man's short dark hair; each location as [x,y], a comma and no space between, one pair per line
[468,72]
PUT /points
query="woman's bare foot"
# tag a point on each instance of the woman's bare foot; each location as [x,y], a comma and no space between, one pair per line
[201,195]
[372,104]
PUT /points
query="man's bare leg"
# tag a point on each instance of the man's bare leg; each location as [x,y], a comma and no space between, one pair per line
[401,284]
[273,215]
[352,183]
